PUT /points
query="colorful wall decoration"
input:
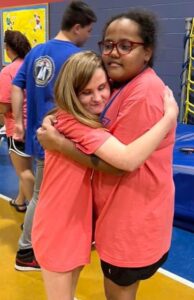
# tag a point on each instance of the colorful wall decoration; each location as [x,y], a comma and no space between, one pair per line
[8,3]
[30,20]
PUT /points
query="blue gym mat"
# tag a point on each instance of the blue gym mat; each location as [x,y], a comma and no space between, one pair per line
[183,168]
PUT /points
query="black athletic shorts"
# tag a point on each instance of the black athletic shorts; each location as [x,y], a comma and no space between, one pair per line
[16,146]
[127,276]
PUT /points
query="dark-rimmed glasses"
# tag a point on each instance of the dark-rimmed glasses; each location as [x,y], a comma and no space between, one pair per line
[123,47]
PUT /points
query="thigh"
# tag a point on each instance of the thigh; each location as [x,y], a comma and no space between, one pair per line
[21,163]
[76,274]
[117,292]
[59,286]
[19,158]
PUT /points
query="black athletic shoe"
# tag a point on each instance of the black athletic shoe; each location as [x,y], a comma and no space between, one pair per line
[26,261]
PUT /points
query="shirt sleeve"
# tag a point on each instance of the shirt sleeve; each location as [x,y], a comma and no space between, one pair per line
[5,86]
[86,139]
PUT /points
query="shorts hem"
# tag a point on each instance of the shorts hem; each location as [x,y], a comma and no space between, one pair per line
[127,264]
[125,276]
[17,147]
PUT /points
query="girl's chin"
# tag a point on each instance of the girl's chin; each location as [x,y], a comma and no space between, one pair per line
[115,75]
[97,111]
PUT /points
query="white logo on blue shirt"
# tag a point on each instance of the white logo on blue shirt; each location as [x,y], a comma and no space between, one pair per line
[44,70]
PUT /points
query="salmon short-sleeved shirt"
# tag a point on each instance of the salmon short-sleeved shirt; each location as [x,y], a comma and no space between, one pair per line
[62,226]
[6,76]
[134,212]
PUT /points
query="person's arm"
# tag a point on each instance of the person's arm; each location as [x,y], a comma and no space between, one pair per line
[4,108]
[17,98]
[5,89]
[125,157]
[130,157]
[1,119]
[52,140]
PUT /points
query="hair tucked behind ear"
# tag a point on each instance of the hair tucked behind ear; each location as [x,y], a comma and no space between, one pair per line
[72,79]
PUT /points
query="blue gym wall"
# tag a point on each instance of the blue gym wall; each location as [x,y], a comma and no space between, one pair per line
[171,14]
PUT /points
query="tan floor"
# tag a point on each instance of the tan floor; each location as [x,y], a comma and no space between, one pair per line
[16,285]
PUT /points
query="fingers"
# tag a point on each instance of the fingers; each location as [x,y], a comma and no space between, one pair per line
[39,130]
[18,137]
[49,120]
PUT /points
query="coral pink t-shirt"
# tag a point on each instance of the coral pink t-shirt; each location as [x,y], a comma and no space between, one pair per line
[135,211]
[6,76]
[62,226]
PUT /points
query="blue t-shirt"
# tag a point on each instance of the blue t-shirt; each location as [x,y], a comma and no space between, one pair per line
[37,75]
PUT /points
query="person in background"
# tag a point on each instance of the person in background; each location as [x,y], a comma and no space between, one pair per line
[16,47]
[1,119]
[37,75]
[133,212]
[2,129]
[62,225]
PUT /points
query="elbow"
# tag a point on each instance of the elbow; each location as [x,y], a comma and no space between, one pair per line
[130,161]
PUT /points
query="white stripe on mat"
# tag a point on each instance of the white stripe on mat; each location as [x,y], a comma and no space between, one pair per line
[5,197]
[176,277]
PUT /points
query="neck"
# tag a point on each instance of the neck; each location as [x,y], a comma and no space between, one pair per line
[64,36]
[14,58]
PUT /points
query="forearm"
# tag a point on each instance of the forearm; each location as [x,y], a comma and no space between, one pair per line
[130,157]
[140,150]
[67,148]
[4,108]
[17,98]
[1,119]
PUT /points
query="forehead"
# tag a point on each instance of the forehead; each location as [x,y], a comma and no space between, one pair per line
[98,76]
[122,29]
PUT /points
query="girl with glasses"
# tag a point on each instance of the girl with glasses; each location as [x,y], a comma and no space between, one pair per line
[134,211]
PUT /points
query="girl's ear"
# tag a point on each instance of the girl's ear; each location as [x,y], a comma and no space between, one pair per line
[148,54]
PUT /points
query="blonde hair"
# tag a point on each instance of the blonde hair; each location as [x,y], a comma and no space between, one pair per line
[72,79]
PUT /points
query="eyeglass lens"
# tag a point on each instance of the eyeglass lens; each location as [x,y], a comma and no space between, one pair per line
[123,47]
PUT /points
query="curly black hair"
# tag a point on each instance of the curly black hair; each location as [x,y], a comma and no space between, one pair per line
[18,42]
[148,27]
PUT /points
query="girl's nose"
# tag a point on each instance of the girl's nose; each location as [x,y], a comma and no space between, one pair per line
[114,52]
[97,96]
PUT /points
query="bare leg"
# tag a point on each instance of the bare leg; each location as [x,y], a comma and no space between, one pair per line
[20,199]
[59,286]
[76,274]
[23,167]
[117,292]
